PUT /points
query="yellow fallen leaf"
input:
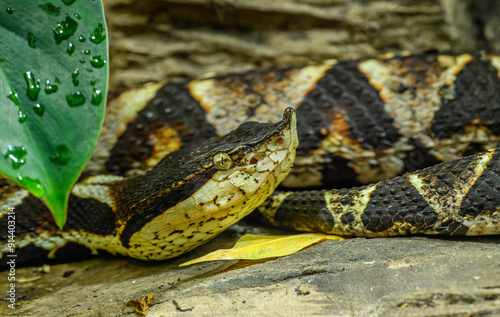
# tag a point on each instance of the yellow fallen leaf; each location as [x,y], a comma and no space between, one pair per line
[255,247]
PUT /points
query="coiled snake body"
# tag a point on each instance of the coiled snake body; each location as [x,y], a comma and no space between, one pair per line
[358,122]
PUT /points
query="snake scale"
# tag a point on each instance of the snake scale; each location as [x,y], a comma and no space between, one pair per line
[182,162]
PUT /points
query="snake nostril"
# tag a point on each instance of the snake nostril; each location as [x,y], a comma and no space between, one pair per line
[253,160]
[280,140]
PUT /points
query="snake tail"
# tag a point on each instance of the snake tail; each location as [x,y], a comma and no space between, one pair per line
[459,197]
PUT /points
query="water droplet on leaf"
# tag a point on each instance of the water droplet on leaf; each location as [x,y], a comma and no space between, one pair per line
[96,96]
[82,61]
[98,35]
[50,9]
[76,15]
[61,157]
[97,61]
[14,97]
[75,99]
[71,49]
[22,116]
[65,29]
[50,88]
[74,75]
[31,40]
[68,2]
[9,10]
[86,52]
[15,154]
[34,185]
[33,84]
[39,109]
[81,38]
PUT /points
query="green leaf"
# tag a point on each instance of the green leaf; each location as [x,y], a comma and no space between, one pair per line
[53,76]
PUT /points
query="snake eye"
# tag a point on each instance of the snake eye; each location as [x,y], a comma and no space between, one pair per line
[223,161]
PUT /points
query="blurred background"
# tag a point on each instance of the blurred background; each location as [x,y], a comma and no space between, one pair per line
[159,40]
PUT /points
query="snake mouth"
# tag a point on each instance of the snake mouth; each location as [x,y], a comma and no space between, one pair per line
[262,162]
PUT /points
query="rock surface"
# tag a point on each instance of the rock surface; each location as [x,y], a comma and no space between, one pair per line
[416,276]
[165,39]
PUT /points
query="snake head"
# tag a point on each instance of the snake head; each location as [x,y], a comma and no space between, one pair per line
[195,193]
[251,161]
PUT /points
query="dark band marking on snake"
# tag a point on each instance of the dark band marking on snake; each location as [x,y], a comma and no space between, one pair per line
[358,122]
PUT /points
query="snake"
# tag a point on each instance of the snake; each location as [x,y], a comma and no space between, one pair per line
[394,145]
[189,197]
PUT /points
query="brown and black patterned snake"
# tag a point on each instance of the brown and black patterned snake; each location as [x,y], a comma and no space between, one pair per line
[178,163]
